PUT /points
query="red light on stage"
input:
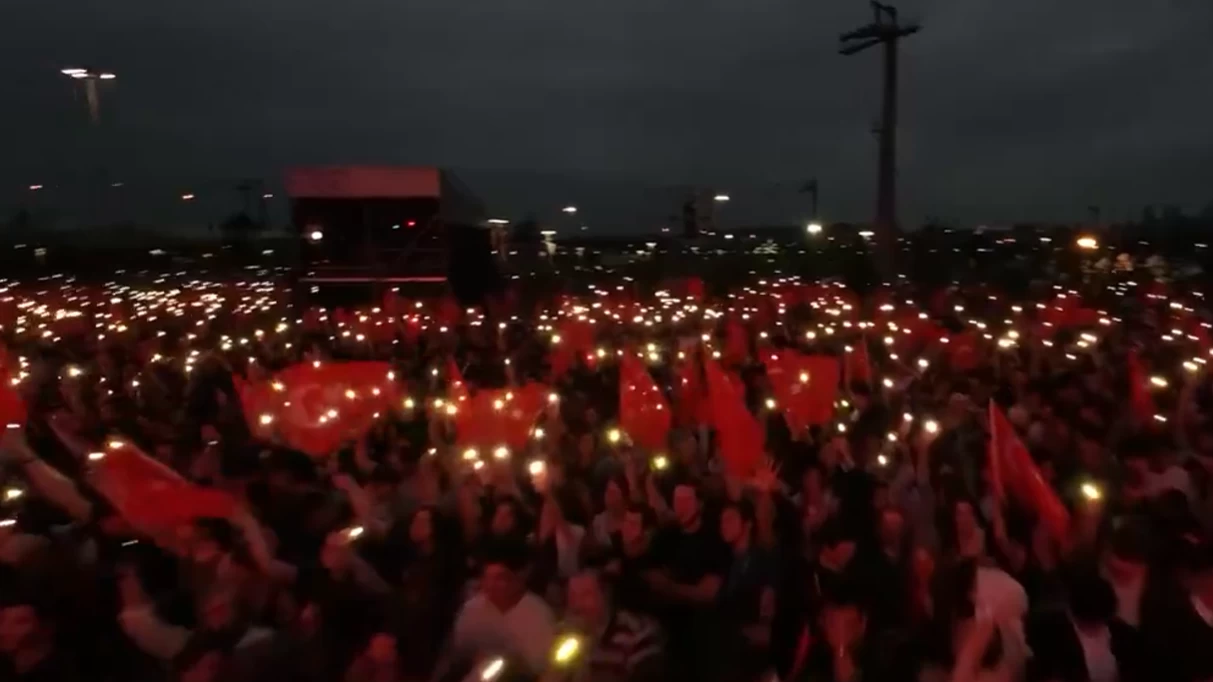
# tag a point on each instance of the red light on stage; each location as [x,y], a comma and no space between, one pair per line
[411,223]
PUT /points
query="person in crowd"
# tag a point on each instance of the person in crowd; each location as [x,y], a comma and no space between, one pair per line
[747,596]
[503,618]
[623,646]
[694,561]
[630,563]
[30,647]
[608,522]
[1086,642]
[1178,625]
[843,652]
[894,535]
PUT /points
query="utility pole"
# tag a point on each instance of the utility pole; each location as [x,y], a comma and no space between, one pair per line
[887,31]
[812,189]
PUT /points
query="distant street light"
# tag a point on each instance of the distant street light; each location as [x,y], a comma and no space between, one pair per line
[90,80]
[498,221]
[1087,243]
[187,197]
[813,228]
[35,188]
[569,209]
[721,198]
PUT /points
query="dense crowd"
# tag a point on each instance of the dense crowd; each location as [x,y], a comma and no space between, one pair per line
[875,545]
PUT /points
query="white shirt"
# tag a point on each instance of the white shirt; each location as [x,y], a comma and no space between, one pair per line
[1006,600]
[568,551]
[524,632]
[1097,653]
[1171,478]
[1201,610]
[1128,599]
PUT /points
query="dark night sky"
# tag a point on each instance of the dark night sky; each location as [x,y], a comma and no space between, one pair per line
[1013,109]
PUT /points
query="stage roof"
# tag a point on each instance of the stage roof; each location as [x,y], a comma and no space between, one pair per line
[364,182]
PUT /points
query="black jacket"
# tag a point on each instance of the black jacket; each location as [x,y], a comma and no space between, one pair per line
[1057,652]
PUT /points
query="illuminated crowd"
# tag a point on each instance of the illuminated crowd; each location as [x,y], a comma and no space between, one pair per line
[204,483]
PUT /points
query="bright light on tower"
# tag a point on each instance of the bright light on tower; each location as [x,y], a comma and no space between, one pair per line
[1087,243]
[813,228]
[315,235]
[721,198]
[569,209]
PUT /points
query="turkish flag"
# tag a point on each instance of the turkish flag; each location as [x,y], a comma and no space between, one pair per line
[857,365]
[643,412]
[1013,470]
[740,436]
[693,288]
[962,352]
[447,312]
[736,343]
[12,405]
[691,402]
[576,339]
[456,388]
[805,386]
[504,416]
[150,495]
[319,405]
[1065,312]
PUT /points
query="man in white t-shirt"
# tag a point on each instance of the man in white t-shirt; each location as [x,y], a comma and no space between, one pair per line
[503,619]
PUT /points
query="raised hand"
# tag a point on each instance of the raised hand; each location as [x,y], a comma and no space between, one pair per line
[766,475]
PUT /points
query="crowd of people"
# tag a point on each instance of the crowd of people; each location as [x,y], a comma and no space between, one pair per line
[874,546]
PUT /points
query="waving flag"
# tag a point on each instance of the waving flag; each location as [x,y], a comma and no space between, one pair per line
[148,494]
[319,405]
[643,412]
[691,404]
[857,366]
[962,352]
[492,418]
[1012,470]
[805,386]
[736,343]
[741,437]
[12,405]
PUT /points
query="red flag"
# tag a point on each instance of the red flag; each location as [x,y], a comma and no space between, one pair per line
[962,352]
[693,288]
[12,405]
[322,404]
[643,412]
[805,386]
[447,312]
[150,495]
[741,437]
[456,388]
[736,343]
[1012,469]
[690,395]
[857,366]
[499,417]
[574,339]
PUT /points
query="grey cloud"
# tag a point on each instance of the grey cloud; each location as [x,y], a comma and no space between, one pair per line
[1011,109]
